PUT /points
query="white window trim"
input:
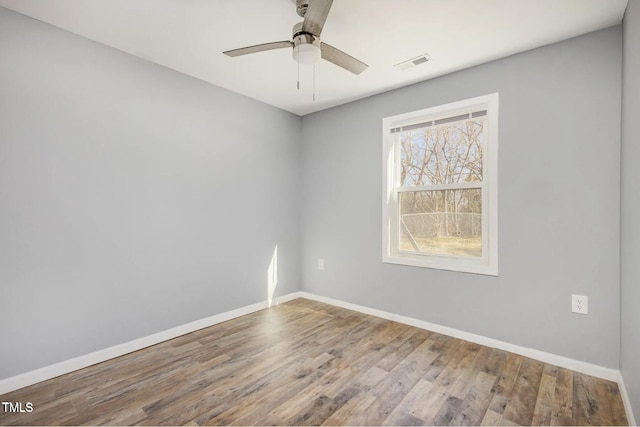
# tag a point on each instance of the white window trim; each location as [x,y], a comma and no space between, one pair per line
[488,263]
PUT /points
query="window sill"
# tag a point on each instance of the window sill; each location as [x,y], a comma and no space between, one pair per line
[456,264]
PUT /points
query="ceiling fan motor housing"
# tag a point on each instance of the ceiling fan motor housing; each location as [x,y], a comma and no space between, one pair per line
[306,46]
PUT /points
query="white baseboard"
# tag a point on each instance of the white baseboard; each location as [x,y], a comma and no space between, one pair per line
[48,372]
[70,365]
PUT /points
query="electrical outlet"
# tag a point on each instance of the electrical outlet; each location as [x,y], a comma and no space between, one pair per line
[320,264]
[580,304]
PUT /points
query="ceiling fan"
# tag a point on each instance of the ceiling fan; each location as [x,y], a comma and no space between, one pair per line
[305,41]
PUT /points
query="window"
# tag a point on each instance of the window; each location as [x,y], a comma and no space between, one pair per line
[440,187]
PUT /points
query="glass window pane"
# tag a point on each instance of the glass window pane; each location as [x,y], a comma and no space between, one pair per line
[446,154]
[447,222]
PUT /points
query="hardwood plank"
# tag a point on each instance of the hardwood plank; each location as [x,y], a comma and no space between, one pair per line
[503,389]
[447,348]
[120,417]
[447,411]
[522,404]
[392,360]
[605,409]
[322,408]
[405,420]
[356,371]
[611,394]
[363,383]
[491,418]
[507,422]
[468,370]
[417,397]
[308,397]
[464,355]
[431,404]
[494,362]
[400,380]
[563,399]
[350,412]
[476,402]
[585,403]
[543,411]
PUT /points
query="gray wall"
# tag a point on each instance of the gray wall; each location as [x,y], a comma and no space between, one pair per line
[559,172]
[630,208]
[132,198]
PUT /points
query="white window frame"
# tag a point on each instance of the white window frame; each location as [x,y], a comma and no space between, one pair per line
[486,264]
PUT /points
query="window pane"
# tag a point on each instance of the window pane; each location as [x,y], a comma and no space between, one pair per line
[445,222]
[445,154]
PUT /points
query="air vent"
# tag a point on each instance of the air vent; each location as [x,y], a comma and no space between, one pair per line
[418,60]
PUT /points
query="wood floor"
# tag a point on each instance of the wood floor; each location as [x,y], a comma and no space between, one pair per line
[307,363]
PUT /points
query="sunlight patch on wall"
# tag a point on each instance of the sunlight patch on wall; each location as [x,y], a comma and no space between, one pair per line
[272,276]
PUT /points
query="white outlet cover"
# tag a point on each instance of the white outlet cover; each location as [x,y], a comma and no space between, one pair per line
[320,264]
[580,304]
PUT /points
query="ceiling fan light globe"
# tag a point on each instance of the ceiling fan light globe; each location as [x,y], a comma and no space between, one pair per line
[306,53]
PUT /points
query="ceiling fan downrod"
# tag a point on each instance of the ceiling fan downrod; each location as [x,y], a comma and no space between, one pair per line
[301,7]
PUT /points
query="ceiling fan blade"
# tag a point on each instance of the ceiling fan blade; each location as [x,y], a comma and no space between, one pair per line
[258,48]
[316,16]
[341,59]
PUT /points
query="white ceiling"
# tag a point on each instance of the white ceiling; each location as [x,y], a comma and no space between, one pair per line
[190,35]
